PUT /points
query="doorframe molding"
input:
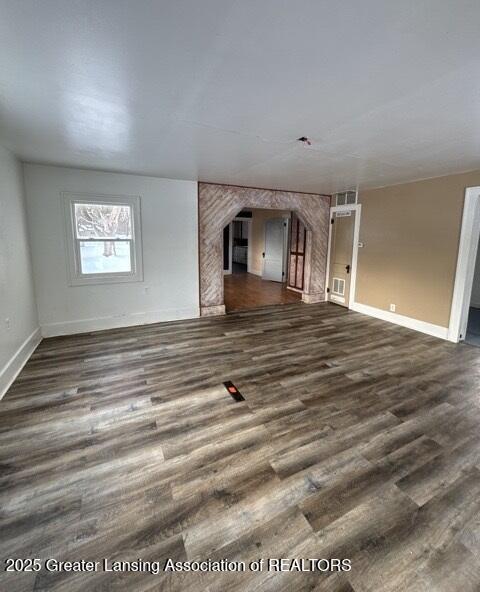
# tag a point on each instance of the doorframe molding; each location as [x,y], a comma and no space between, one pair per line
[286,238]
[357,208]
[465,270]
[230,250]
[249,246]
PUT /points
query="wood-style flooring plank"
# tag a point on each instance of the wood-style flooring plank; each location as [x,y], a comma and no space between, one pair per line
[356,439]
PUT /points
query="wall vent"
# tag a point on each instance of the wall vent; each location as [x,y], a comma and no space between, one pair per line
[345,198]
[338,286]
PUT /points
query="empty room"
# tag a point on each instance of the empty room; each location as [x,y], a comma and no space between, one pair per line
[239,296]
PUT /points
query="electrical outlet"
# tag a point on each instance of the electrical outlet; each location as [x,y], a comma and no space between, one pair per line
[392,307]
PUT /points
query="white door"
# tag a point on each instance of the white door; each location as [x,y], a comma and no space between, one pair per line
[274,249]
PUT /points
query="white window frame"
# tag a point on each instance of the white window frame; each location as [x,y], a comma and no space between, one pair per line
[77,278]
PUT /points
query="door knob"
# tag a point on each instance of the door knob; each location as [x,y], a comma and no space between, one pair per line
[347,267]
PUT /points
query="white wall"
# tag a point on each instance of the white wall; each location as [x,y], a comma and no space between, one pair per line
[475,299]
[19,333]
[169,289]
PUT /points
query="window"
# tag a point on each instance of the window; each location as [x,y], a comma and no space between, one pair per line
[104,242]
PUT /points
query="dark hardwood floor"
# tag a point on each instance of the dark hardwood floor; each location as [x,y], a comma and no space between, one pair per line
[357,439]
[245,291]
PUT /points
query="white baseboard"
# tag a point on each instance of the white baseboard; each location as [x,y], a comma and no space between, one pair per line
[397,319]
[115,322]
[338,299]
[13,367]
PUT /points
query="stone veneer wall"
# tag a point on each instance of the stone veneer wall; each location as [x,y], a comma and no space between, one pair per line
[219,204]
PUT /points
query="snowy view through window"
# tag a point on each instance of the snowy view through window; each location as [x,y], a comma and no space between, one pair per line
[104,234]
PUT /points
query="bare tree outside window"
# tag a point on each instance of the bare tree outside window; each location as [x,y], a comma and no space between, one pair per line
[104,238]
[103,231]
[103,221]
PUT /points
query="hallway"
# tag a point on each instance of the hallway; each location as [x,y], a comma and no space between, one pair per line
[245,291]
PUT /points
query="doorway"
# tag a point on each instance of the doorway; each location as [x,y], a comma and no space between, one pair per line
[343,254]
[219,204]
[465,312]
[259,260]
[472,335]
[236,244]
[240,245]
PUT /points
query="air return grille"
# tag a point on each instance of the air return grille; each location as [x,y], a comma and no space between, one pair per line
[345,198]
[338,286]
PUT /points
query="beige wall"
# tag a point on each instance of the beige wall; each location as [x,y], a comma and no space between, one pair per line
[258,235]
[410,234]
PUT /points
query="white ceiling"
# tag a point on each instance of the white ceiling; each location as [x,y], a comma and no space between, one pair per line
[218,90]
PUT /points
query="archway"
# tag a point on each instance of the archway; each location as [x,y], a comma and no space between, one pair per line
[218,204]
